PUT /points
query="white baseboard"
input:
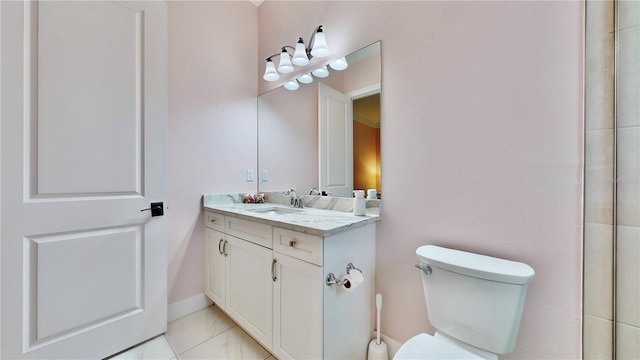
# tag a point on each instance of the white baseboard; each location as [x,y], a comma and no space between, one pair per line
[392,344]
[184,307]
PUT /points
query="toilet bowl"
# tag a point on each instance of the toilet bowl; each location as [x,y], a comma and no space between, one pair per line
[474,301]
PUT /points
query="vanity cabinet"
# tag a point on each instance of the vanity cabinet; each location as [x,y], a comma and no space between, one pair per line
[297,309]
[249,289]
[237,272]
[215,277]
[297,290]
[272,282]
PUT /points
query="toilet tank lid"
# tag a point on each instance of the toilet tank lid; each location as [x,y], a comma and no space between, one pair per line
[476,265]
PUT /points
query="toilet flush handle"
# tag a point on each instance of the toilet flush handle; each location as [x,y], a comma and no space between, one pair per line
[425,269]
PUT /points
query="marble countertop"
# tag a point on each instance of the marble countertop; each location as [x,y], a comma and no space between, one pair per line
[310,220]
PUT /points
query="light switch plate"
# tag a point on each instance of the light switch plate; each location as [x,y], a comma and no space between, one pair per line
[249,175]
[265,175]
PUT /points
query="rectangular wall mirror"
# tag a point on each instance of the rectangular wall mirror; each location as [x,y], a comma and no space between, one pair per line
[326,134]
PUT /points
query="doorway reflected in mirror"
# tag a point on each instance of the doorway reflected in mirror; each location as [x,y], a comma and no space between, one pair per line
[366,143]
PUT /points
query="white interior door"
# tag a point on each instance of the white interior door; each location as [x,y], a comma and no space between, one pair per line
[335,141]
[83,147]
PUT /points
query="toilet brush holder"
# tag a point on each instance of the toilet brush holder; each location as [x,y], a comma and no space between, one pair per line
[377,348]
[377,351]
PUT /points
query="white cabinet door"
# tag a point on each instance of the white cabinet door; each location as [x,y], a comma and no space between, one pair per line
[249,294]
[215,268]
[84,127]
[297,309]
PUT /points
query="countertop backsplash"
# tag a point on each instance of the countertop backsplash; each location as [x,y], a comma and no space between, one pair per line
[281,198]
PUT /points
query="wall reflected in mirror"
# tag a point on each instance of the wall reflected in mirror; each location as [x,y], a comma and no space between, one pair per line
[289,148]
[366,142]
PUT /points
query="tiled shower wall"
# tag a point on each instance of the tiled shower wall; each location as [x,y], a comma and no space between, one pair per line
[612,181]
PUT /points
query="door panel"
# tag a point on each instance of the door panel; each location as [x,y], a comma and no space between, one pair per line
[335,122]
[109,292]
[83,147]
[96,52]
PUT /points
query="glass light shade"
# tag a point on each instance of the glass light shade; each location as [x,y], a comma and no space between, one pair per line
[300,56]
[320,47]
[339,64]
[306,78]
[285,65]
[321,72]
[270,73]
[291,85]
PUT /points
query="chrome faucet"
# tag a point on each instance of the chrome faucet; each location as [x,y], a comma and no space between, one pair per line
[296,201]
[314,191]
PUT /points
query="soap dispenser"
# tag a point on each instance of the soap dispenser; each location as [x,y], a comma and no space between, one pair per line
[359,206]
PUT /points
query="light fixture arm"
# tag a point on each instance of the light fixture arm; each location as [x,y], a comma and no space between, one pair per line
[283,50]
[307,48]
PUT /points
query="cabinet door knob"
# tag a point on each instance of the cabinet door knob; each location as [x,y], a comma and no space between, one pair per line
[212,220]
[292,243]
[224,249]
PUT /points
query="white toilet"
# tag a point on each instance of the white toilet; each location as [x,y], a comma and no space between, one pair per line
[474,302]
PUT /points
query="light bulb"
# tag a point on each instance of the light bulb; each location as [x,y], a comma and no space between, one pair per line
[270,73]
[306,78]
[320,47]
[285,63]
[300,56]
[291,85]
[339,64]
[321,72]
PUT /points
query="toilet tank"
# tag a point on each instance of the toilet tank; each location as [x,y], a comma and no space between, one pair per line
[474,298]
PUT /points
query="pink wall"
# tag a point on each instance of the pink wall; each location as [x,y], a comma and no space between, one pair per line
[212,122]
[481,144]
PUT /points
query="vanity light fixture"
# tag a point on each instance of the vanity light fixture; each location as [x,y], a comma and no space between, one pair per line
[317,48]
[285,65]
[321,72]
[339,64]
[292,85]
[300,56]
[320,47]
[271,74]
[305,78]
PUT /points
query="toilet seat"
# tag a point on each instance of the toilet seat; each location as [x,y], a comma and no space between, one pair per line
[425,346]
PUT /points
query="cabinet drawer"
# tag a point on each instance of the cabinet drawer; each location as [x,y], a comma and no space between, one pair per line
[214,221]
[254,232]
[298,245]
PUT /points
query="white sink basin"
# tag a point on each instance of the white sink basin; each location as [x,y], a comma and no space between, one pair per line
[276,211]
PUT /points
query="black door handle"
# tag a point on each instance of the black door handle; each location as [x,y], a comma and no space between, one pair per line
[157,209]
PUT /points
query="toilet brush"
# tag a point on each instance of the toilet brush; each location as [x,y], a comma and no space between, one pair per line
[377,348]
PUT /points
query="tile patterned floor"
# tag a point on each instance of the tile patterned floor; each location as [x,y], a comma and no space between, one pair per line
[205,334]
